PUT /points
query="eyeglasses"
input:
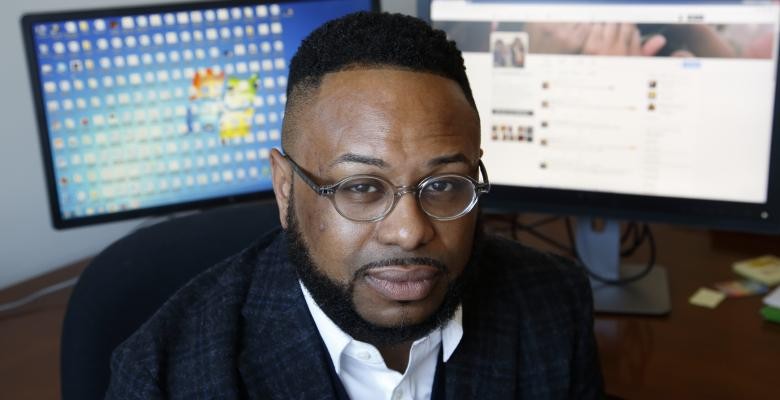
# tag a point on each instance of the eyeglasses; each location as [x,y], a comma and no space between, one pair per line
[369,198]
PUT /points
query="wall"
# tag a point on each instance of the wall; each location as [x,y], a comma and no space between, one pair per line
[29,246]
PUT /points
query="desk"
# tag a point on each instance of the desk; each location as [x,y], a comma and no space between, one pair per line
[729,352]
[695,353]
[30,338]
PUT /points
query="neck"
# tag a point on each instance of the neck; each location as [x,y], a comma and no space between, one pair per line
[396,356]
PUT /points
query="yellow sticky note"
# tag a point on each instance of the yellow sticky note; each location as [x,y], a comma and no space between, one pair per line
[707,298]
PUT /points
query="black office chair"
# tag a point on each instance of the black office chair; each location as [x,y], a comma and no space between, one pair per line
[128,281]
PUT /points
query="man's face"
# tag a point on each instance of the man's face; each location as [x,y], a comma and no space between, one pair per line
[403,126]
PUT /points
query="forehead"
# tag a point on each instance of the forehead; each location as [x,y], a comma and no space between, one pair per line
[389,114]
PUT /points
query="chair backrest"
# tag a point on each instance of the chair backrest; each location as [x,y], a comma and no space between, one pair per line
[129,280]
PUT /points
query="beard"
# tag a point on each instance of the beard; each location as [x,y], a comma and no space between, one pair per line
[336,299]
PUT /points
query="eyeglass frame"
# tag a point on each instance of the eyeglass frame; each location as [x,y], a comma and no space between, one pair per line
[329,191]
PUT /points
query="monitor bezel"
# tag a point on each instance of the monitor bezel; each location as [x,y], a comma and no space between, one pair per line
[725,215]
[27,22]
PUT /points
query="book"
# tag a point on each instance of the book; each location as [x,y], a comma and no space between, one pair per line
[764,269]
[773,299]
[771,314]
[705,297]
[741,288]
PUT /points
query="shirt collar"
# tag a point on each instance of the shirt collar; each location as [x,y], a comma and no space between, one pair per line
[337,340]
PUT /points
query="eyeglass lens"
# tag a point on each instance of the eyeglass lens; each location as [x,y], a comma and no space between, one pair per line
[369,198]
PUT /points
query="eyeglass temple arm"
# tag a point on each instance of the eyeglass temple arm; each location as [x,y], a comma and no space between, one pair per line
[321,190]
[485,186]
[482,188]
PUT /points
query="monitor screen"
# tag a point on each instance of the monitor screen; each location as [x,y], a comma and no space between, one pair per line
[662,110]
[148,110]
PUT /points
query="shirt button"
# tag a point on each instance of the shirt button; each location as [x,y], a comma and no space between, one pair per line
[364,355]
[398,394]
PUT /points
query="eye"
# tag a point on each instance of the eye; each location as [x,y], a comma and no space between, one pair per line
[441,185]
[362,188]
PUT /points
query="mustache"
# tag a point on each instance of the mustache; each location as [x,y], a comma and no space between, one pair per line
[402,262]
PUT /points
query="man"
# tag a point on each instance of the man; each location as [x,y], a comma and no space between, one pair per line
[382,285]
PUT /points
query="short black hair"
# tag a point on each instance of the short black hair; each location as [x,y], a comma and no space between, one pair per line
[370,40]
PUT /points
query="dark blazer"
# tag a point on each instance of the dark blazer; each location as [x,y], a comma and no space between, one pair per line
[242,330]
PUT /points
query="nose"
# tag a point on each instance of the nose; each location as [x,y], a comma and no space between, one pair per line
[407,226]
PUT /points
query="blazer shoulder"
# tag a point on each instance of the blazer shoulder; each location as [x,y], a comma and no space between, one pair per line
[205,312]
[519,273]
[220,287]
[518,260]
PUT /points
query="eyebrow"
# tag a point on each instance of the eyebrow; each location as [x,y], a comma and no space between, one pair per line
[360,159]
[449,159]
[378,162]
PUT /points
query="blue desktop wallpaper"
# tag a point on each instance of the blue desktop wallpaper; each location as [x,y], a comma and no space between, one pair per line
[164,108]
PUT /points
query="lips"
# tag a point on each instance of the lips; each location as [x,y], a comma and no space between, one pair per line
[403,283]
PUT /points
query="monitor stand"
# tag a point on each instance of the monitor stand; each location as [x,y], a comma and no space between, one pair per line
[600,251]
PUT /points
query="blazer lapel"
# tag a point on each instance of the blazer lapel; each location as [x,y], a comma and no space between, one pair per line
[284,359]
[484,365]
[282,354]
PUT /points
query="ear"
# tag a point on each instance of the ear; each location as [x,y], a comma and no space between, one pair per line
[281,177]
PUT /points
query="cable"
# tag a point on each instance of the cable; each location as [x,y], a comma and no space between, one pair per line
[638,239]
[38,294]
[543,221]
[634,235]
[551,242]
[531,230]
[514,227]
[630,228]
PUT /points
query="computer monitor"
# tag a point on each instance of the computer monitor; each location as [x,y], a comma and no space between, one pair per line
[155,109]
[654,111]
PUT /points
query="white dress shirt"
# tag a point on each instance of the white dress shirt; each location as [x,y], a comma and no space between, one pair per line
[362,369]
